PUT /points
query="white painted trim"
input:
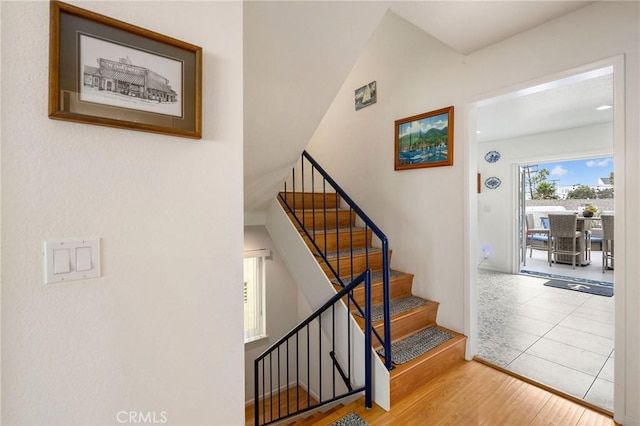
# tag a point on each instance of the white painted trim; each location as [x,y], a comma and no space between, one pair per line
[257,253]
[619,275]
[470,274]
[471,218]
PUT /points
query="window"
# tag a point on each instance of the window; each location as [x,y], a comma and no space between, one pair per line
[254,294]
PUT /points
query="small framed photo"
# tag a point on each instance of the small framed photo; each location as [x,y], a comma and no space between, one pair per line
[366,95]
[107,72]
[424,140]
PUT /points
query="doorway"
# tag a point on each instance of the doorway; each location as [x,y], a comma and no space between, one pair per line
[522,324]
[562,187]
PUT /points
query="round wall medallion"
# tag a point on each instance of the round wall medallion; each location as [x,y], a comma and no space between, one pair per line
[492,156]
[492,182]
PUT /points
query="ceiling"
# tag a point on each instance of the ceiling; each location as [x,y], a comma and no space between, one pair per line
[280,64]
[562,104]
[468,26]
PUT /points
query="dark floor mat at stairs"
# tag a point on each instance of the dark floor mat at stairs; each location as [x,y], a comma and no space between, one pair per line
[417,344]
[351,419]
[398,306]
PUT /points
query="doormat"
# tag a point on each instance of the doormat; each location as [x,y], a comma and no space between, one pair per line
[351,419]
[598,290]
[565,278]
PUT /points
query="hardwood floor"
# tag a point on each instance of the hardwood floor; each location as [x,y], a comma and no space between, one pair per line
[472,393]
[279,405]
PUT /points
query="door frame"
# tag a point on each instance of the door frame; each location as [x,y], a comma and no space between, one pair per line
[472,249]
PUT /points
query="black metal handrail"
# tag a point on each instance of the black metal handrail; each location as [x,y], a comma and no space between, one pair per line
[273,401]
[299,216]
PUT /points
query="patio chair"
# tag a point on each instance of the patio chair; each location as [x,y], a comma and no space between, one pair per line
[537,238]
[564,238]
[607,241]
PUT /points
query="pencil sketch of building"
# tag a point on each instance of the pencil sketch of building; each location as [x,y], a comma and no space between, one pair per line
[126,79]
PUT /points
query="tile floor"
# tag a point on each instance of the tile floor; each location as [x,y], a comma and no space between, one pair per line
[593,271]
[559,337]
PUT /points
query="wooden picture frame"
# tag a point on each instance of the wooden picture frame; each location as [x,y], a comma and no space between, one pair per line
[424,140]
[106,72]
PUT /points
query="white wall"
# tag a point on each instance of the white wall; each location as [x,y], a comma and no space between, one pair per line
[293,67]
[423,211]
[417,209]
[161,330]
[281,301]
[497,214]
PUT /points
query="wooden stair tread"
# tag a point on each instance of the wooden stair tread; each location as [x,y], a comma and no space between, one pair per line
[356,252]
[376,276]
[430,305]
[309,199]
[317,416]
[343,410]
[342,229]
[407,367]
[405,378]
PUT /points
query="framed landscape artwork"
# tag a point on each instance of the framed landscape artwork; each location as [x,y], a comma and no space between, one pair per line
[424,140]
[106,72]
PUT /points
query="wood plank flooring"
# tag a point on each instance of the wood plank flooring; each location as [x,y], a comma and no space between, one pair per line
[472,393]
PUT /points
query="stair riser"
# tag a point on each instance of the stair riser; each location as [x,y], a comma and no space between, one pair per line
[406,383]
[343,267]
[345,240]
[319,220]
[309,200]
[398,287]
[406,324]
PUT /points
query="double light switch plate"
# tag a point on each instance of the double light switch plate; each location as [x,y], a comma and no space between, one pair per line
[71,259]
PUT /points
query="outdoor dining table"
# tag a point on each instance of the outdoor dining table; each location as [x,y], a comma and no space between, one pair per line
[584,227]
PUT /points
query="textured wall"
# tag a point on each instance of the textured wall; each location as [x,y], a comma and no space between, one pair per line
[145,337]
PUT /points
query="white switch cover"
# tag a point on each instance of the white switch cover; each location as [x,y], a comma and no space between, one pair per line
[83,259]
[71,259]
[61,261]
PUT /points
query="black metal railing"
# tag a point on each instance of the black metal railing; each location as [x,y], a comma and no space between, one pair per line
[306,181]
[287,373]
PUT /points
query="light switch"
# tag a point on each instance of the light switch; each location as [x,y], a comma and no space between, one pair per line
[61,261]
[71,259]
[83,259]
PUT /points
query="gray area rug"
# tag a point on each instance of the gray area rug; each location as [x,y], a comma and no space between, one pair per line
[399,305]
[351,419]
[417,344]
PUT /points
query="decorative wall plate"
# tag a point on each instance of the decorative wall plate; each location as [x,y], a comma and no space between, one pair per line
[492,156]
[492,182]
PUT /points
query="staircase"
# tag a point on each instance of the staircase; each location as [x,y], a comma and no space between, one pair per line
[327,227]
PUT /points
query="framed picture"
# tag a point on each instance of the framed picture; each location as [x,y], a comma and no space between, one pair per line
[425,140]
[107,72]
[366,95]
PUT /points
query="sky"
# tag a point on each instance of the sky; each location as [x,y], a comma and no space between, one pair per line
[583,172]
[424,125]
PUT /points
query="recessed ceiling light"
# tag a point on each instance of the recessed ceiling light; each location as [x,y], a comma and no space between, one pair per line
[478,131]
[604,107]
